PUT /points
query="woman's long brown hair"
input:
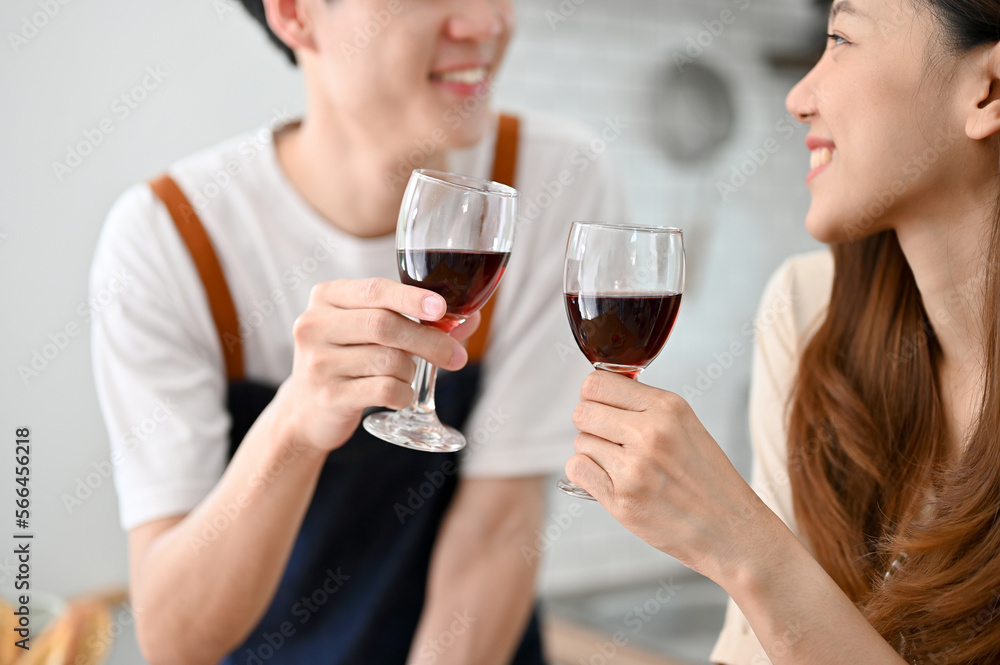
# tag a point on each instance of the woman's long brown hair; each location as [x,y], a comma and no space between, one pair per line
[869,445]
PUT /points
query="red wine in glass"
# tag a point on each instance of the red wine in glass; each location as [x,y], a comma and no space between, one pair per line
[464,278]
[623,287]
[622,332]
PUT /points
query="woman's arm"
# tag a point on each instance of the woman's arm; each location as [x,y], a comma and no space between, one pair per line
[798,612]
[645,456]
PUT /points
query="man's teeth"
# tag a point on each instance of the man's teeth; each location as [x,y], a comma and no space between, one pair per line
[464,76]
[821,156]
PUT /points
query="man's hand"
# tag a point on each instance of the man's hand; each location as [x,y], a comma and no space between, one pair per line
[354,348]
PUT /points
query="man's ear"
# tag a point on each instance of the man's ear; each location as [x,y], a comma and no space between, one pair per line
[984,118]
[290,21]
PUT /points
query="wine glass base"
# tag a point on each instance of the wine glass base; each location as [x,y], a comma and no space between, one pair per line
[414,431]
[573,489]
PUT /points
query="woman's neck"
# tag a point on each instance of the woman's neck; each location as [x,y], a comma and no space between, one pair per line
[949,263]
[348,177]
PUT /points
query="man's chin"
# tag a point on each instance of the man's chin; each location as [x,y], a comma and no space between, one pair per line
[462,128]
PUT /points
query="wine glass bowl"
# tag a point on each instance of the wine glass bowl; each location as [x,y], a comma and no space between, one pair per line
[464,278]
[454,237]
[623,288]
[622,333]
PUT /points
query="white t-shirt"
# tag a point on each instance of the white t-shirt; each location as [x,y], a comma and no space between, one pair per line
[792,308]
[158,363]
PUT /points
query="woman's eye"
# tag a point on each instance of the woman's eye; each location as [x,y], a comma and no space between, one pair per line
[837,40]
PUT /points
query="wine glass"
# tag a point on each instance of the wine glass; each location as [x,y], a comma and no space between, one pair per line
[623,287]
[454,237]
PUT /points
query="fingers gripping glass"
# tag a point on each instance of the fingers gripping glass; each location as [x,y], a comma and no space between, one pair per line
[623,287]
[454,237]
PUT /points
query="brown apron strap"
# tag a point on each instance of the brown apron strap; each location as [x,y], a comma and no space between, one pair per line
[200,246]
[504,172]
[505,154]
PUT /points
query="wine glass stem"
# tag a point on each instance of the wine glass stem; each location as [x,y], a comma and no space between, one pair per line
[423,388]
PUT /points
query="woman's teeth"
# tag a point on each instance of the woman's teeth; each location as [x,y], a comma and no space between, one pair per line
[821,157]
[473,76]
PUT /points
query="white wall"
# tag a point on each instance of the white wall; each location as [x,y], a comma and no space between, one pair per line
[222,78]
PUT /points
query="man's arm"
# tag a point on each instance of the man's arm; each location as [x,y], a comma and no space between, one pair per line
[481,586]
[200,583]
[195,591]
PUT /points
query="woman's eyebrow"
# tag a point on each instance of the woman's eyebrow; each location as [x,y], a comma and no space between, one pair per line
[845,7]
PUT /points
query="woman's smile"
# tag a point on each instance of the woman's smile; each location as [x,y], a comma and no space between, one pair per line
[821,155]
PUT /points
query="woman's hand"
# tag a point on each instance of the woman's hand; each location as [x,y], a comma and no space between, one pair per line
[645,456]
[354,348]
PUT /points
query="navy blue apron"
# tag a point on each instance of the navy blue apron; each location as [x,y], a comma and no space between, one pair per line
[354,587]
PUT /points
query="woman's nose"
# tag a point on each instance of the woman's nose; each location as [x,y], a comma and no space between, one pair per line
[801,100]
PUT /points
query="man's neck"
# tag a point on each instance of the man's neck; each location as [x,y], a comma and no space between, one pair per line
[344,175]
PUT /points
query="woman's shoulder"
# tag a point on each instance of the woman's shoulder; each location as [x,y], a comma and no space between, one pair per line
[793,306]
[799,293]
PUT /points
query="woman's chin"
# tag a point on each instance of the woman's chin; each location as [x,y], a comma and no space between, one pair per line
[829,229]
[822,228]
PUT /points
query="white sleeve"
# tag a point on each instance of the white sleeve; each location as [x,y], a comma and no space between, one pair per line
[533,369]
[157,364]
[774,367]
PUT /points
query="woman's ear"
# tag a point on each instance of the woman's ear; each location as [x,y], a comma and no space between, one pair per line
[984,117]
[290,21]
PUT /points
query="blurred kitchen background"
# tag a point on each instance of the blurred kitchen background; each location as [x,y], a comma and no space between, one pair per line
[698,85]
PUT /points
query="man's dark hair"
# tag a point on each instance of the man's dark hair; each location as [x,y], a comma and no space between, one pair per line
[256,9]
